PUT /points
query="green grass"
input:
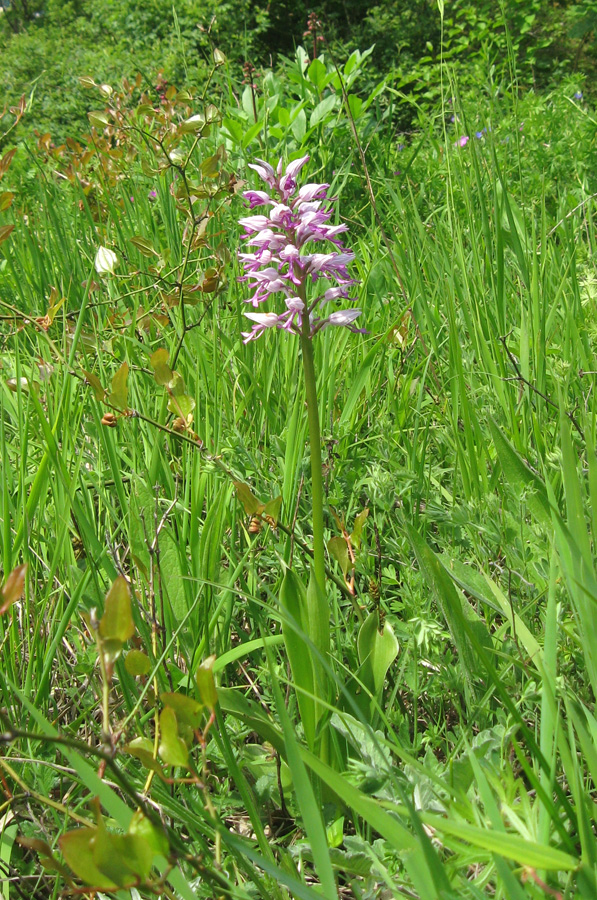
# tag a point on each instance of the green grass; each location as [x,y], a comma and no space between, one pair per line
[464,421]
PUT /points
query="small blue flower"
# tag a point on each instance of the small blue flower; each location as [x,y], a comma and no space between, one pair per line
[578,95]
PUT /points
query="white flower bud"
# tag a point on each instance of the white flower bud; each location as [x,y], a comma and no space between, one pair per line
[105,261]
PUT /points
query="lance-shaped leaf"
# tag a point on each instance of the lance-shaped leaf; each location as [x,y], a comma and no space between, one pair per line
[293,600]
[6,161]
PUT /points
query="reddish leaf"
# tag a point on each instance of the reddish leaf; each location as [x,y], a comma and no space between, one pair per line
[13,588]
[143,246]
[5,231]
[6,161]
[6,200]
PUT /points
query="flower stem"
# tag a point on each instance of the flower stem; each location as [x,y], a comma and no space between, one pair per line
[316,462]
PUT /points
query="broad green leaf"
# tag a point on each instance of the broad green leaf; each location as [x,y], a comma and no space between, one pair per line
[338,550]
[159,363]
[123,858]
[357,530]
[117,624]
[153,836]
[77,848]
[142,749]
[98,120]
[144,246]
[241,651]
[249,501]
[173,574]
[182,405]
[119,393]
[172,749]
[137,663]
[322,110]
[458,613]
[377,651]
[305,796]
[272,509]
[94,382]
[204,676]
[188,711]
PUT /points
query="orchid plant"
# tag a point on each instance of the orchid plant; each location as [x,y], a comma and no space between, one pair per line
[281,258]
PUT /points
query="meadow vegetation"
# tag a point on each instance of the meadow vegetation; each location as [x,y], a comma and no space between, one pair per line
[193,702]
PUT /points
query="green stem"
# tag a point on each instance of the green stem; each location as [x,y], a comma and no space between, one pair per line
[316,462]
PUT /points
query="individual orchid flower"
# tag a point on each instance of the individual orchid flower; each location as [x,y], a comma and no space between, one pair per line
[281,262]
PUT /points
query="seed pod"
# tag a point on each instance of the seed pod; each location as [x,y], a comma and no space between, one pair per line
[110,420]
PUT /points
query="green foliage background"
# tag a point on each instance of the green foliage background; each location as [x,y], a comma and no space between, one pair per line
[45,46]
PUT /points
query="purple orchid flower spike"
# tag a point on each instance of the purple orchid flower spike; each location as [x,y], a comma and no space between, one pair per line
[278,261]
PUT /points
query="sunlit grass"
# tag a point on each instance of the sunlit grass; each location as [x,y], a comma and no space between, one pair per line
[464,421]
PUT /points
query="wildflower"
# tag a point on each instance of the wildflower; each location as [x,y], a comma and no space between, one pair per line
[578,95]
[282,260]
[462,141]
[105,261]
